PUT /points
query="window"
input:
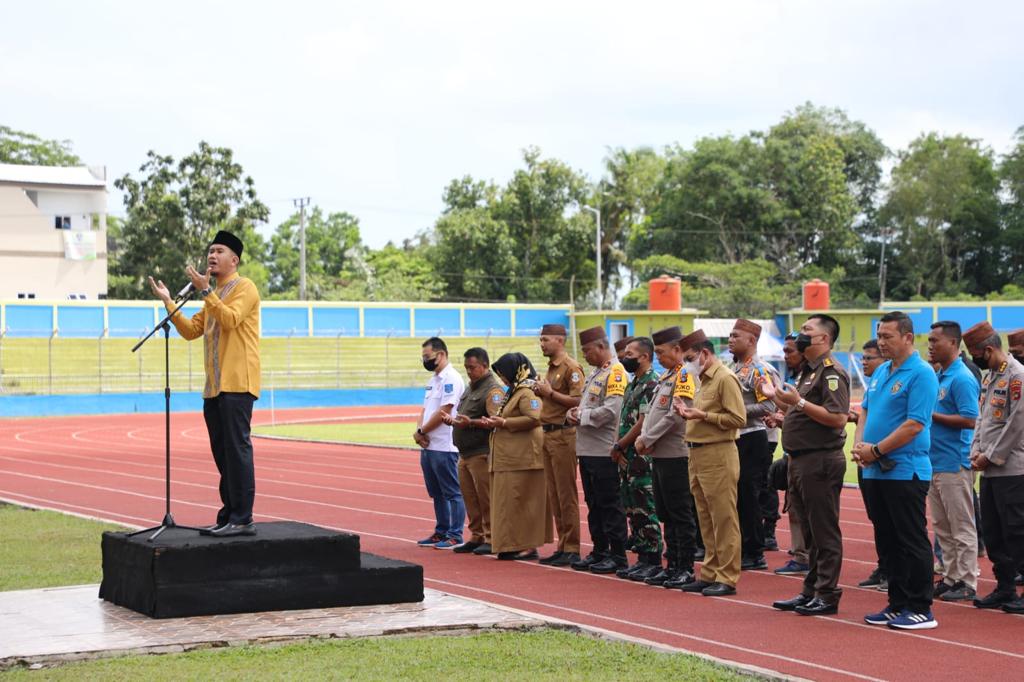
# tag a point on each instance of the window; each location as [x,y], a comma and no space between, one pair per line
[619,330]
[24,295]
[62,222]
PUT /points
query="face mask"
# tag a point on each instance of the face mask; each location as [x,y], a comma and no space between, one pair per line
[980,360]
[803,342]
[430,364]
[631,364]
[693,367]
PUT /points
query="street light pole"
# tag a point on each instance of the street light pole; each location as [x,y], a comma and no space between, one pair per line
[302,204]
[597,222]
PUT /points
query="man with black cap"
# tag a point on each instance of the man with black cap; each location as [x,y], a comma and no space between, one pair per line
[597,420]
[753,441]
[230,322]
[662,437]
[998,453]
[560,390]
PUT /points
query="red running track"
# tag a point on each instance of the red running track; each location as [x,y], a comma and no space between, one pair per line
[113,468]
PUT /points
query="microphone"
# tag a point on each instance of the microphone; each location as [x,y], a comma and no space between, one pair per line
[185,291]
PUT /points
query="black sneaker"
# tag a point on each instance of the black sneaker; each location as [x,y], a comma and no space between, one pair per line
[483,550]
[660,577]
[626,570]
[960,591]
[465,547]
[680,581]
[942,587]
[873,580]
[567,559]
[551,558]
[995,599]
[644,572]
[586,562]
[754,563]
[608,565]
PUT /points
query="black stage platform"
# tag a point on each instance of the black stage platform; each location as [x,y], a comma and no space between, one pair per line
[285,566]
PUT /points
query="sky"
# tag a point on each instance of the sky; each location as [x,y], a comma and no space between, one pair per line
[372,108]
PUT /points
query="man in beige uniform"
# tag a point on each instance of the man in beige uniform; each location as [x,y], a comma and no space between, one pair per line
[713,422]
[560,390]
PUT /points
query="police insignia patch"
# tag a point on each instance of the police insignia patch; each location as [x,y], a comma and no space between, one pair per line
[896,387]
[575,377]
[1001,383]
[448,388]
[496,398]
[1015,389]
[663,400]
[535,404]
[833,383]
[997,414]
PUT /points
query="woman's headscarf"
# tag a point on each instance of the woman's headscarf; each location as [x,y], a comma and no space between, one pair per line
[516,369]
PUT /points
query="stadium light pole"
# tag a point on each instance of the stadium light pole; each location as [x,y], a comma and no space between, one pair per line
[597,250]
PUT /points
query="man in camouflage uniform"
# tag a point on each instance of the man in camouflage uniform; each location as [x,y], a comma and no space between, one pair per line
[636,484]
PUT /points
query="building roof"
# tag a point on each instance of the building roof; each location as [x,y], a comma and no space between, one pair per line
[52,176]
[721,327]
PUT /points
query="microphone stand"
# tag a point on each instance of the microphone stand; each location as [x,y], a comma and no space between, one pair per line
[165,324]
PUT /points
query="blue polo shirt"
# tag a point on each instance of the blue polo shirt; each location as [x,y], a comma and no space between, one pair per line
[958,394]
[893,397]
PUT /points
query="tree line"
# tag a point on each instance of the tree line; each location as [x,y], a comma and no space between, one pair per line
[743,220]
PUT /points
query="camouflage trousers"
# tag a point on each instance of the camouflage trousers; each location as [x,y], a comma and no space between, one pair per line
[637,491]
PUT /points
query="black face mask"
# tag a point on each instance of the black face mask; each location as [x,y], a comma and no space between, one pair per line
[430,364]
[631,364]
[802,341]
[980,361]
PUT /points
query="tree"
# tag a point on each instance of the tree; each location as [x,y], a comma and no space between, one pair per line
[476,254]
[403,274]
[175,208]
[335,255]
[1011,176]
[23,148]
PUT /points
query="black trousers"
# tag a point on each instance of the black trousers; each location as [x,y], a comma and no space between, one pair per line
[882,570]
[767,496]
[815,484]
[674,505]
[228,420]
[1002,524]
[606,518]
[901,535]
[753,473]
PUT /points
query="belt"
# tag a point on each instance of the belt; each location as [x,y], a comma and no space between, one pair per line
[556,427]
[807,451]
[694,446]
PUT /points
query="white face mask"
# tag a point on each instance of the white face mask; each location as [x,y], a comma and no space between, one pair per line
[693,367]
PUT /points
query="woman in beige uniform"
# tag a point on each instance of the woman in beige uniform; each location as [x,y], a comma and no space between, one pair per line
[518,491]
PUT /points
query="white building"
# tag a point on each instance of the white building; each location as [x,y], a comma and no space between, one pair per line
[53,232]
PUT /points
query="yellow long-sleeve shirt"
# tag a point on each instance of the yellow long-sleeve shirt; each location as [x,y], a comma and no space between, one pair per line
[229,323]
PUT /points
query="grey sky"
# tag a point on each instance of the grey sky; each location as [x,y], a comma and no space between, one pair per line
[373,107]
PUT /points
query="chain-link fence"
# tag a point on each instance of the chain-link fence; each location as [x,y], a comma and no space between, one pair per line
[55,365]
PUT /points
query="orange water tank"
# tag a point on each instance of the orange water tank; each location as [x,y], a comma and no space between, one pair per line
[664,294]
[816,295]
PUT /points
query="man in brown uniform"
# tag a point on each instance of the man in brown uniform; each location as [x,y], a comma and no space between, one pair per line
[560,390]
[1015,341]
[814,434]
[711,430]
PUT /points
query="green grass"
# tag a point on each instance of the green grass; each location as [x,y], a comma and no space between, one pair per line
[380,433]
[537,655]
[47,549]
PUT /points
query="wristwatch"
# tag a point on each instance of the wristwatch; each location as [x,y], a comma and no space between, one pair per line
[800,405]
[420,431]
[205,292]
[618,446]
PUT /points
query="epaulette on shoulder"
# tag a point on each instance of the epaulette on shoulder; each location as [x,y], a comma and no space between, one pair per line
[828,362]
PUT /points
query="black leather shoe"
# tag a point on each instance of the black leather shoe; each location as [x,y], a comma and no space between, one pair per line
[818,607]
[644,572]
[791,604]
[680,581]
[660,577]
[626,570]
[566,559]
[466,547]
[231,530]
[551,558]
[526,555]
[1015,606]
[718,590]
[586,562]
[994,599]
[696,586]
[483,550]
[206,530]
[756,563]
[507,556]
[608,565]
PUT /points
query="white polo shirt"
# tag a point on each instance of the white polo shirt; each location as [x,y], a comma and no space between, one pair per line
[444,388]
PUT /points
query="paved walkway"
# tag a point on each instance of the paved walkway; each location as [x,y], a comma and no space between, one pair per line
[67,623]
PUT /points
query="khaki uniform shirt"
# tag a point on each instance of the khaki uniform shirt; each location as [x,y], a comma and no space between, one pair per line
[999,434]
[664,429]
[721,397]
[599,410]
[821,382]
[566,377]
[519,445]
[758,406]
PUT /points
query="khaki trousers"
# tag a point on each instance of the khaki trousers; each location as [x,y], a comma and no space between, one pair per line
[563,500]
[714,473]
[475,483]
[952,507]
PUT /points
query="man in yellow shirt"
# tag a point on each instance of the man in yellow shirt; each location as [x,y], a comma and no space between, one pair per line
[229,323]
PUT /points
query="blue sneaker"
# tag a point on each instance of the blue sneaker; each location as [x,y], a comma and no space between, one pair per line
[431,541]
[883,617]
[792,567]
[908,620]
[447,543]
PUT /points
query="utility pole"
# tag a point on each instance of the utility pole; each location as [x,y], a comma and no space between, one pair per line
[881,269]
[302,203]
[597,221]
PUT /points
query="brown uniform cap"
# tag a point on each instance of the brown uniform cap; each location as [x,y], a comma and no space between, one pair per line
[667,335]
[977,334]
[693,339]
[621,344]
[1016,338]
[591,335]
[553,330]
[748,326]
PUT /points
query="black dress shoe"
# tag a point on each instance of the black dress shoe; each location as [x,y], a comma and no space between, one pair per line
[644,572]
[231,530]
[483,550]
[660,577]
[586,562]
[1015,606]
[626,570]
[526,555]
[696,586]
[466,547]
[549,559]
[566,559]
[791,604]
[507,556]
[818,607]
[755,563]
[608,565]
[206,530]
[718,590]
[680,581]
[995,599]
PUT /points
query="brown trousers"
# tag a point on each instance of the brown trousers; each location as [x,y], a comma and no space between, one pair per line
[563,503]
[815,483]
[952,506]
[475,483]
[714,473]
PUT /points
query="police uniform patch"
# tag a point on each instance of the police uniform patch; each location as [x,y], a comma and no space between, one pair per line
[616,381]
[833,383]
[997,414]
[535,404]
[496,398]
[896,387]
[575,377]
[448,388]
[997,402]
[828,362]
[1001,383]
[662,400]
[1015,387]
